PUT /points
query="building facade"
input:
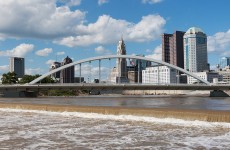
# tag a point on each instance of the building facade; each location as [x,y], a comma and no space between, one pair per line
[173,49]
[195,50]
[17,65]
[208,76]
[53,66]
[225,72]
[67,75]
[224,62]
[159,75]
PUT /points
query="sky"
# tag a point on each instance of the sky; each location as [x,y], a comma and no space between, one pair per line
[44,31]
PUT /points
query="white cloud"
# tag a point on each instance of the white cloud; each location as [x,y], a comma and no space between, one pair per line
[219,42]
[71,2]
[151,1]
[49,62]
[47,20]
[38,18]
[60,53]
[31,71]
[102,50]
[101,2]
[44,19]
[157,53]
[4,68]
[19,51]
[109,30]
[44,52]
[90,71]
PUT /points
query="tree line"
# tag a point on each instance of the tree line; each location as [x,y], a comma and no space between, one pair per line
[11,78]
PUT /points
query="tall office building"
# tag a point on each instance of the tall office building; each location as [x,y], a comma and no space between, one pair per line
[224,62]
[121,63]
[67,75]
[195,50]
[17,65]
[173,49]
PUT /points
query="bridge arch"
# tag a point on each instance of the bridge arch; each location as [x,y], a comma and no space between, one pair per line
[117,56]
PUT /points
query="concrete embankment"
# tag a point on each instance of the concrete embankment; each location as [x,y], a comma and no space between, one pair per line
[186,114]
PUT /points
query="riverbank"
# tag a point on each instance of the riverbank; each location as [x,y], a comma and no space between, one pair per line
[185,114]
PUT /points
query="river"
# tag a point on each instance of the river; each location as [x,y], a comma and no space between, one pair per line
[33,129]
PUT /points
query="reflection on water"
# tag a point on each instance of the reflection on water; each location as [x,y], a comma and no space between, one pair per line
[132,101]
[46,130]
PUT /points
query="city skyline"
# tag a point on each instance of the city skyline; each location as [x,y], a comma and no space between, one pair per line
[46,31]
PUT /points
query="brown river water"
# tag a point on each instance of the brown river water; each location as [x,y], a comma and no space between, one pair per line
[33,129]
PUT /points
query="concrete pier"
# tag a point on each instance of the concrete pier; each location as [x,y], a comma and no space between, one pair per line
[218,93]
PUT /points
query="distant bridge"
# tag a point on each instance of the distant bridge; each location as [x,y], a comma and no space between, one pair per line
[99,58]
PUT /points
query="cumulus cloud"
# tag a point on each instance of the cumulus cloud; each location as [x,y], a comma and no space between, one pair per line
[4,68]
[151,1]
[102,50]
[157,53]
[44,52]
[49,62]
[47,20]
[91,72]
[219,42]
[101,2]
[71,2]
[19,51]
[44,19]
[33,71]
[108,30]
[38,19]
[60,53]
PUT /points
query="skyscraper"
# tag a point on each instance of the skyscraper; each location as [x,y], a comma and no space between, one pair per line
[172,48]
[121,63]
[224,61]
[195,50]
[17,65]
[67,75]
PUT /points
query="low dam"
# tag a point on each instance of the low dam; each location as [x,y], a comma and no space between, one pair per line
[187,108]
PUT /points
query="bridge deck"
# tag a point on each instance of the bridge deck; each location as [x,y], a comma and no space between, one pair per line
[88,86]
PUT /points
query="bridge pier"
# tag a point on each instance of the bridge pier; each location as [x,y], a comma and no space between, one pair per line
[218,93]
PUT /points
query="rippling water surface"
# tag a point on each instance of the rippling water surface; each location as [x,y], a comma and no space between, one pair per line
[204,103]
[23,129]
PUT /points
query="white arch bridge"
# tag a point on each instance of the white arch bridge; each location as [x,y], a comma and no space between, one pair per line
[99,58]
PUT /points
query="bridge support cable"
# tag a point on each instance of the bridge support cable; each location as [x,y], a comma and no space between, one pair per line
[80,73]
[99,70]
[138,71]
[110,71]
[149,77]
[90,78]
[158,75]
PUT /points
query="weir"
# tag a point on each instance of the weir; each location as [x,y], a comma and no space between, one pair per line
[201,115]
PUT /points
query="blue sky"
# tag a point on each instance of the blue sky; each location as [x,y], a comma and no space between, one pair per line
[43,31]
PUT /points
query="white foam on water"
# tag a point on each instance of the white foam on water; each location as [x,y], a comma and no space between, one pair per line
[127,118]
[73,130]
[173,121]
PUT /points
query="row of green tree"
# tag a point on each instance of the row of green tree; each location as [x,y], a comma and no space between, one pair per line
[11,78]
